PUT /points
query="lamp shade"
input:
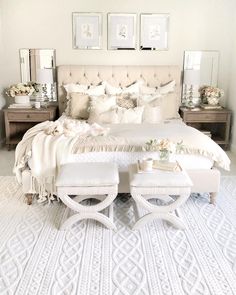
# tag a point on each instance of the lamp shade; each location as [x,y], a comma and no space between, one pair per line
[192,77]
[44,76]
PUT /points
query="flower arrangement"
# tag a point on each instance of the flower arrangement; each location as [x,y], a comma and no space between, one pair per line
[164,145]
[211,94]
[22,89]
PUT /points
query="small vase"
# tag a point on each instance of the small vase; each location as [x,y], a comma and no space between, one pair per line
[164,156]
[213,100]
[22,99]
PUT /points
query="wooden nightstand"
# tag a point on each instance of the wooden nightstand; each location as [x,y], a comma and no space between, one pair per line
[216,121]
[18,121]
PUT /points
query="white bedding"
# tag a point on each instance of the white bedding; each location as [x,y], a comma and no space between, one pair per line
[51,144]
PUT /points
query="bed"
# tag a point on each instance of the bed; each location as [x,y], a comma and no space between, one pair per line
[205,177]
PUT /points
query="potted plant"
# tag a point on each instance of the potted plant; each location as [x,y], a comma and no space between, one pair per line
[22,92]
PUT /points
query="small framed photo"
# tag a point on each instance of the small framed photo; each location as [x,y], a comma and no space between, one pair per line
[87,30]
[122,30]
[154,31]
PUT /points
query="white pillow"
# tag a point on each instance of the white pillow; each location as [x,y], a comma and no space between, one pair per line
[147,90]
[111,90]
[72,87]
[130,115]
[152,115]
[169,87]
[149,99]
[96,90]
[133,88]
[108,117]
[99,105]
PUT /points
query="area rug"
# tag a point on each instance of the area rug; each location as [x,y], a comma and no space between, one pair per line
[37,258]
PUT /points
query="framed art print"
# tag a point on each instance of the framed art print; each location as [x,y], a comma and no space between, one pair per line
[122,31]
[154,31]
[87,30]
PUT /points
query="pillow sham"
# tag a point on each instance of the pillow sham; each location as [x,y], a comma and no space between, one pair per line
[125,101]
[130,115]
[147,90]
[167,88]
[96,90]
[133,88]
[72,87]
[78,106]
[111,90]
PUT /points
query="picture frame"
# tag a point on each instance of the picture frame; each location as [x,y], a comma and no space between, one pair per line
[154,29]
[87,30]
[122,31]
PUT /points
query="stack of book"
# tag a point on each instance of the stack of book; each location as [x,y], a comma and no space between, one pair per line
[167,166]
[160,165]
[210,107]
[20,106]
[206,132]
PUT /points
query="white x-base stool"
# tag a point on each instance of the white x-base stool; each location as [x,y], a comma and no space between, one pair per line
[160,185]
[88,181]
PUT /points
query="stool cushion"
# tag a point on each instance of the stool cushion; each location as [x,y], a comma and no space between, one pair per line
[88,174]
[159,178]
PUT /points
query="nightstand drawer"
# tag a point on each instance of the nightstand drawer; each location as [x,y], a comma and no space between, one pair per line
[28,117]
[206,117]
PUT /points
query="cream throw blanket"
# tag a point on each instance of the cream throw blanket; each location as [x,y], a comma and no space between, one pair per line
[50,143]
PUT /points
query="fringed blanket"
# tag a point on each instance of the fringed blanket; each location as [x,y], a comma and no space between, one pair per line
[49,145]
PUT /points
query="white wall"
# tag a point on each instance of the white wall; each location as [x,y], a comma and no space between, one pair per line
[194,25]
[231,102]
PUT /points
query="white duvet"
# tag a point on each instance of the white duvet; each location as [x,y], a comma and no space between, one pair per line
[50,143]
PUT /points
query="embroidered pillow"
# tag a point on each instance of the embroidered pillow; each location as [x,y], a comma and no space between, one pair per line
[124,101]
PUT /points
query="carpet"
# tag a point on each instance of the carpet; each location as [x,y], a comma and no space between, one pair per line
[36,258]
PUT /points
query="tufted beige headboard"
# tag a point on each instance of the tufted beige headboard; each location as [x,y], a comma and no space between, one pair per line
[116,76]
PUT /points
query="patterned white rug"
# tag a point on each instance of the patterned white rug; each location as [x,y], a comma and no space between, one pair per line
[36,258]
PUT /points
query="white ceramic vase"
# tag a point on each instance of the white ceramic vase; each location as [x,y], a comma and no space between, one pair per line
[22,99]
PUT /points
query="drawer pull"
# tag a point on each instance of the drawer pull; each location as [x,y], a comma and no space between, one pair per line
[28,116]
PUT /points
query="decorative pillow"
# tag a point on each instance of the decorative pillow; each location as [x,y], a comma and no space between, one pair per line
[78,106]
[167,88]
[75,88]
[108,117]
[99,105]
[124,101]
[152,115]
[130,115]
[96,90]
[111,90]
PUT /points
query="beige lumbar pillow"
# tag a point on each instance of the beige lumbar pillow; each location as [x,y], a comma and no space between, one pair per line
[78,106]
